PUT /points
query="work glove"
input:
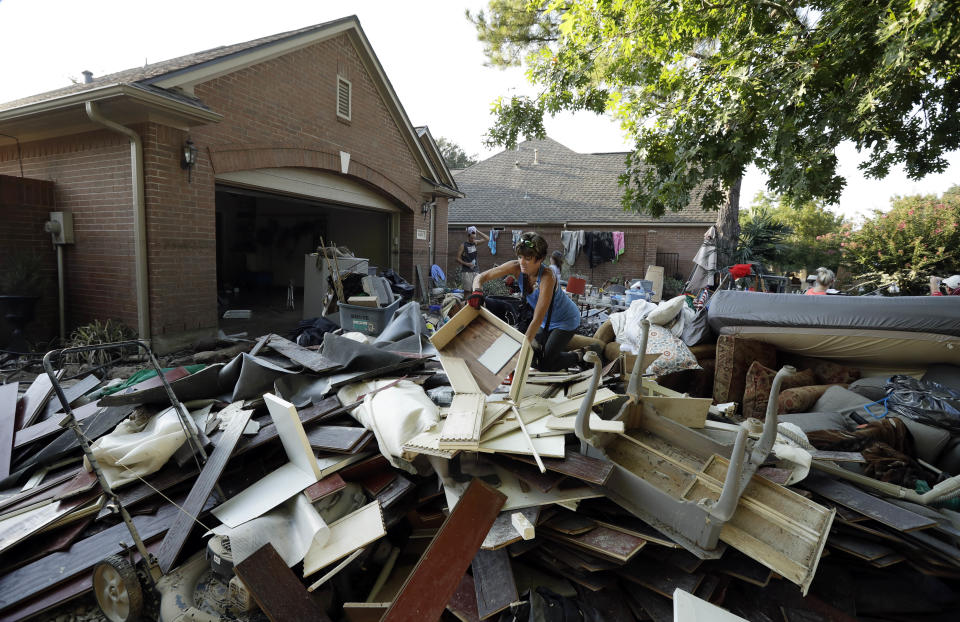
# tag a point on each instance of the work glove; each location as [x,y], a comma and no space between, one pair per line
[475,299]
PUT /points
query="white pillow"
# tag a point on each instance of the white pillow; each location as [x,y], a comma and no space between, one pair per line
[666,311]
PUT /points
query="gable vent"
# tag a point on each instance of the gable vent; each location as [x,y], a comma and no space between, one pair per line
[344,94]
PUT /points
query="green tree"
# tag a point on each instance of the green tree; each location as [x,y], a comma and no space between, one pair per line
[763,238]
[918,238]
[454,155]
[816,231]
[707,88]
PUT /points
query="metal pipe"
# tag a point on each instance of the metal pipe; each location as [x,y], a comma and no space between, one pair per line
[139,216]
[60,296]
[726,505]
[762,449]
[633,388]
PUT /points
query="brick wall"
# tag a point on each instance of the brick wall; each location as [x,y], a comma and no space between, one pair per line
[24,206]
[641,244]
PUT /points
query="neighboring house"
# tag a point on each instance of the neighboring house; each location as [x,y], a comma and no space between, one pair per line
[545,187]
[297,137]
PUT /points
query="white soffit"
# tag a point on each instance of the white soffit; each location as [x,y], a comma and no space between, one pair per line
[312,183]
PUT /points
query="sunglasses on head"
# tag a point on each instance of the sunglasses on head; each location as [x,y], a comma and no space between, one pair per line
[525,243]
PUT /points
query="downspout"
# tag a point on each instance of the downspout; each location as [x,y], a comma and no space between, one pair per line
[139,217]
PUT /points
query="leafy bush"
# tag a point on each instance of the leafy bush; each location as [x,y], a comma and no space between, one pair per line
[917,238]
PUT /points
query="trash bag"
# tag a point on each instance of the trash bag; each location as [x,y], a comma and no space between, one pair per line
[398,284]
[924,401]
[310,332]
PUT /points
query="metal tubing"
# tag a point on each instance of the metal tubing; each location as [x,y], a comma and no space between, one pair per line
[582,425]
[633,388]
[762,449]
[730,493]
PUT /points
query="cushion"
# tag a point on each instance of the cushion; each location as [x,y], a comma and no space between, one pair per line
[666,311]
[813,421]
[928,440]
[873,389]
[674,354]
[704,351]
[827,372]
[949,459]
[759,379]
[838,399]
[942,373]
[734,356]
[605,333]
[800,399]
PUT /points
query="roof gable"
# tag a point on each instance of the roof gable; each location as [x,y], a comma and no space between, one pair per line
[545,182]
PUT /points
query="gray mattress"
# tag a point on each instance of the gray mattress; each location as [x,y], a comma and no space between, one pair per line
[922,314]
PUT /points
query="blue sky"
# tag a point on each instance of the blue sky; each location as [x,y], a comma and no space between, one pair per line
[427,47]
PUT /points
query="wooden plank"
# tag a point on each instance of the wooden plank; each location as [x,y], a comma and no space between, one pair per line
[8,424]
[47,427]
[494,583]
[570,523]
[396,490]
[461,429]
[311,359]
[459,375]
[530,474]
[278,592]
[865,503]
[353,531]
[736,564]
[837,456]
[463,603]
[661,578]
[325,487]
[72,393]
[575,464]
[603,541]
[339,439]
[422,283]
[183,523]
[502,533]
[859,547]
[436,576]
[35,399]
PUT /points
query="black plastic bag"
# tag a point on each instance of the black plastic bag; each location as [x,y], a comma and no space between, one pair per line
[924,401]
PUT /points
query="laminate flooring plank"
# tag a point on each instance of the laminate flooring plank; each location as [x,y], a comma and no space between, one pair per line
[279,593]
[494,582]
[530,474]
[8,424]
[867,504]
[35,399]
[183,523]
[325,487]
[603,541]
[436,576]
[336,438]
[314,361]
[48,427]
[72,393]
[575,464]
[463,603]
[502,533]
[743,567]
[661,578]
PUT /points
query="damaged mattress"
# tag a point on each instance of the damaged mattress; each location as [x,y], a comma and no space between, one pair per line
[908,330]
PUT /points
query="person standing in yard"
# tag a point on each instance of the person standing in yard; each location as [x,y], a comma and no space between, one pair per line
[951,284]
[821,287]
[555,317]
[467,257]
[556,263]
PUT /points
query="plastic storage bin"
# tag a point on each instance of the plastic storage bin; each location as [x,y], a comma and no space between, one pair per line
[367,320]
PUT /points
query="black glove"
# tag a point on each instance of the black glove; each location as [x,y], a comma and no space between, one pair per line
[475,299]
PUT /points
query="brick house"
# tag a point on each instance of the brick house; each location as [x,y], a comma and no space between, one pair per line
[297,136]
[546,187]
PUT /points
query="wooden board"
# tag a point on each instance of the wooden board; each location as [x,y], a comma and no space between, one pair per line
[603,541]
[394,491]
[463,603]
[364,612]
[467,335]
[459,375]
[499,354]
[570,523]
[312,360]
[530,474]
[35,399]
[461,429]
[151,390]
[278,592]
[866,504]
[436,576]
[353,531]
[502,533]
[661,578]
[736,564]
[859,547]
[47,427]
[325,487]
[184,522]
[72,393]
[494,583]
[339,439]
[521,370]
[8,423]
[575,464]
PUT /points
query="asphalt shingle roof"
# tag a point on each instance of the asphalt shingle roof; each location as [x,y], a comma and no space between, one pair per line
[563,187]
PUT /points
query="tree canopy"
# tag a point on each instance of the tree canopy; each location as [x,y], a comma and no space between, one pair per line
[708,87]
[454,155]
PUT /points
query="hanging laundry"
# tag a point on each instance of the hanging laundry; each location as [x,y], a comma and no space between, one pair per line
[492,242]
[618,244]
[516,236]
[572,243]
[599,247]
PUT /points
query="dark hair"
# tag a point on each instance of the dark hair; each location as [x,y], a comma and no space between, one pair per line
[531,244]
[557,258]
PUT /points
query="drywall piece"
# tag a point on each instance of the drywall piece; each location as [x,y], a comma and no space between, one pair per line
[689,608]
[566,424]
[562,408]
[8,423]
[503,533]
[184,522]
[278,592]
[292,434]
[689,411]
[314,361]
[523,526]
[435,578]
[655,274]
[353,531]
[499,353]
[467,335]
[35,399]
[461,429]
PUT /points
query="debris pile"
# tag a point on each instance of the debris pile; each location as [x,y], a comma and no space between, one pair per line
[408,476]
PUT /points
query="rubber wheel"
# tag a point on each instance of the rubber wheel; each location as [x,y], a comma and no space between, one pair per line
[117,589]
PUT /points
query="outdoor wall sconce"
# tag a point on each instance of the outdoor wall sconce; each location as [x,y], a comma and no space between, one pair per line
[425,206]
[189,158]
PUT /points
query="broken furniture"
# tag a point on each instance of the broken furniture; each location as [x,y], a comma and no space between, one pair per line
[700,492]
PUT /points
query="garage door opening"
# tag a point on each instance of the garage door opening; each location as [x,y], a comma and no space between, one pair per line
[261,242]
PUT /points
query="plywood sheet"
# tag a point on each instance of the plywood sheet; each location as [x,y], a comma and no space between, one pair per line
[353,531]
[278,592]
[436,576]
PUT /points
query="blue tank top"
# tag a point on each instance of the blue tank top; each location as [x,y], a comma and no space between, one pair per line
[565,314]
